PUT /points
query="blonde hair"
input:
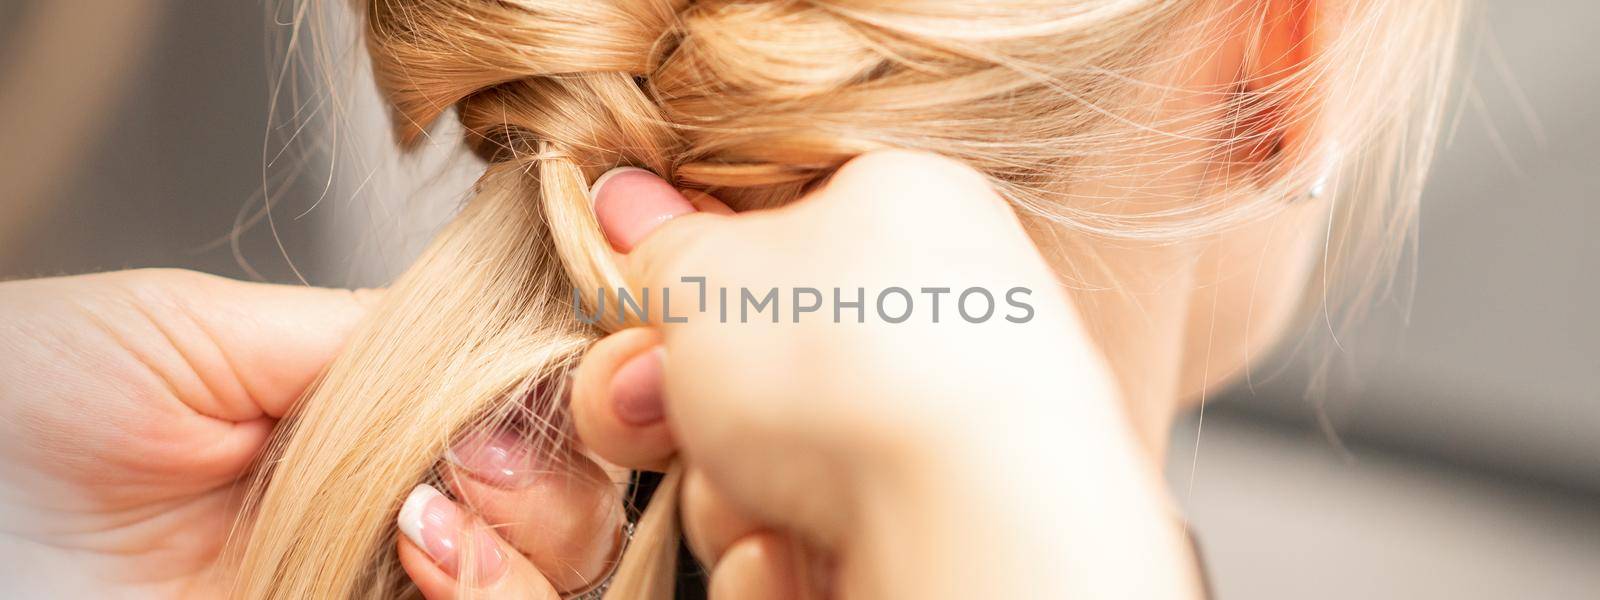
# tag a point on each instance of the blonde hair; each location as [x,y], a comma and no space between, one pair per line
[756,101]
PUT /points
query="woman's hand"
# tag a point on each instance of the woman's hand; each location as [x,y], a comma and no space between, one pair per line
[131,402]
[130,405]
[977,453]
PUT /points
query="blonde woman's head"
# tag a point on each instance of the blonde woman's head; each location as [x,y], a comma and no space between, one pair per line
[1163,153]
[1113,124]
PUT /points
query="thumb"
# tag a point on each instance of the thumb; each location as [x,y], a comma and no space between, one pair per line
[633,206]
[631,203]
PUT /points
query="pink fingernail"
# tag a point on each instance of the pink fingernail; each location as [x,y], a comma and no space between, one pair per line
[630,202]
[440,528]
[498,457]
[636,389]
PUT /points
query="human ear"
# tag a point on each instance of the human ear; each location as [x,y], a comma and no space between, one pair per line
[1277,90]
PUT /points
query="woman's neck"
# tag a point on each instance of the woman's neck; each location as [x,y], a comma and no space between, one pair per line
[1135,302]
[1178,321]
[1142,337]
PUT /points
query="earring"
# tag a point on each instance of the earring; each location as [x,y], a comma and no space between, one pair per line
[1319,189]
[1330,169]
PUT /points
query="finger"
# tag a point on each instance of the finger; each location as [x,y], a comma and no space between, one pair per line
[706,203]
[629,203]
[762,566]
[616,400]
[710,524]
[633,205]
[554,506]
[449,554]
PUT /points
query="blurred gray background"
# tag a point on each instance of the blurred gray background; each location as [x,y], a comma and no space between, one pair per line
[1467,457]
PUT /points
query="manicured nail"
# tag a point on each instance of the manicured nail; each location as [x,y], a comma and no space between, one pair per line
[630,202]
[498,457]
[440,528]
[636,389]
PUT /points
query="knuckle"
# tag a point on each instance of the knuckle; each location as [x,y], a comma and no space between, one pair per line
[569,539]
[161,278]
[159,287]
[915,170]
[367,298]
[582,533]
[892,163]
[900,180]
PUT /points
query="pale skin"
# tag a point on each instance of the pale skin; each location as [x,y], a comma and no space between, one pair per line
[927,488]
[131,404]
[187,373]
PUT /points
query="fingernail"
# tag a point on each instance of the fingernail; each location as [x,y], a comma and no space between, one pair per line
[498,457]
[630,202]
[636,389]
[440,528]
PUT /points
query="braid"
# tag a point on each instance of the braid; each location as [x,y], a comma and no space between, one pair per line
[754,101]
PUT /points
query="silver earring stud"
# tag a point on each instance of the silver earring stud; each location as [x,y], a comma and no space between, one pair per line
[1318,189]
[1330,169]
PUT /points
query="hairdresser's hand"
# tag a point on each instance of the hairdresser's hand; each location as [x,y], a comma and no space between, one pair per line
[972,456]
[130,403]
